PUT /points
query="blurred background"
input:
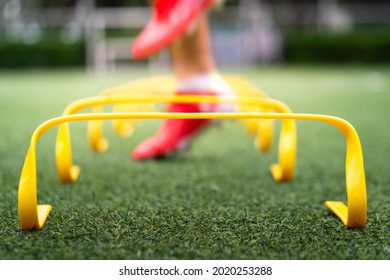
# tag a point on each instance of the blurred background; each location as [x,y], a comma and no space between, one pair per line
[97,34]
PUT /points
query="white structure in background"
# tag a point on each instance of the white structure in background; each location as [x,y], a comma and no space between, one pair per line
[333,17]
[73,29]
[17,29]
[105,53]
[245,34]
[260,38]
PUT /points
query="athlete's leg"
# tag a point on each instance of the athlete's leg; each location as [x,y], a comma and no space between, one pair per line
[194,67]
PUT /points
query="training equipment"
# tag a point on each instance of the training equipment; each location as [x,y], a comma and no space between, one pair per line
[283,171]
[254,106]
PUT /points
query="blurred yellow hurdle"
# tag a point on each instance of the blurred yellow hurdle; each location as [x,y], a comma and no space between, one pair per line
[161,89]
[283,171]
[164,86]
[33,216]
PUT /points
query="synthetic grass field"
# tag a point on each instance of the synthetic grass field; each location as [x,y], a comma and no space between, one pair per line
[215,201]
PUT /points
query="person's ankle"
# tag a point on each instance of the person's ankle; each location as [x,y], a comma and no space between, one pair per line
[208,83]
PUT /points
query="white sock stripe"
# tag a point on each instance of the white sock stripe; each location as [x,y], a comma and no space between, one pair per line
[209,82]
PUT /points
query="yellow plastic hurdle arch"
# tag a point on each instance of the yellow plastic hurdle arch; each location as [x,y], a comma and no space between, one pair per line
[164,86]
[282,171]
[152,87]
[33,216]
[160,89]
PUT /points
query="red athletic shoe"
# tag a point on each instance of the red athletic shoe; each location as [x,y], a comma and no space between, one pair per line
[173,135]
[171,18]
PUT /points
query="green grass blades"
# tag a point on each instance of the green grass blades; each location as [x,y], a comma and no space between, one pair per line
[215,201]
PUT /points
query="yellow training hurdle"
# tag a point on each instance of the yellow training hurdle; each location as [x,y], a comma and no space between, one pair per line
[136,101]
[164,86]
[33,216]
[283,171]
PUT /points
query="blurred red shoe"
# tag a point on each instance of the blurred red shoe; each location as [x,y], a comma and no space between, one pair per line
[171,18]
[174,135]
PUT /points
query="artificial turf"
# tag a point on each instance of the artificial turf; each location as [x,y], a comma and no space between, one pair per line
[215,201]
